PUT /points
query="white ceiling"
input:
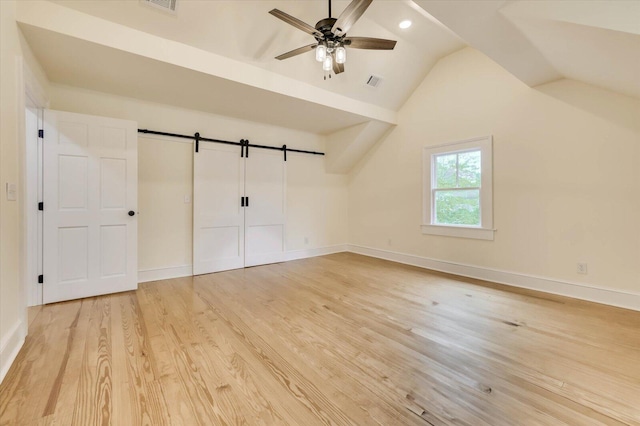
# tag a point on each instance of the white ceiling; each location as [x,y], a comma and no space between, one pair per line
[232,45]
[593,41]
[244,30]
[597,42]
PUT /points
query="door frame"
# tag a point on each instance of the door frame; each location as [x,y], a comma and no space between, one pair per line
[31,94]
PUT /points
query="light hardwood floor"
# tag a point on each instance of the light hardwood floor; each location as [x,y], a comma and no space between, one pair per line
[341,339]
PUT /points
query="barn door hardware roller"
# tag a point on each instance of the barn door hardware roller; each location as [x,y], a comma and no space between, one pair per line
[243,144]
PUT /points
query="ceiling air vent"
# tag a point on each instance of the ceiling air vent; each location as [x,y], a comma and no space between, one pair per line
[165,5]
[374,81]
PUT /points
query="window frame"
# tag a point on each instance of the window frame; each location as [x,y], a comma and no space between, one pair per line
[485,230]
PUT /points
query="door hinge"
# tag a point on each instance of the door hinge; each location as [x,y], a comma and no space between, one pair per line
[41,133]
[40,279]
[41,206]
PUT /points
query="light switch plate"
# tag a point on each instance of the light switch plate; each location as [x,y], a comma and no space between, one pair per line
[12,191]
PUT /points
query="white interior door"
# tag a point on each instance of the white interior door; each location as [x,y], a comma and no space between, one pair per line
[90,190]
[218,217]
[265,216]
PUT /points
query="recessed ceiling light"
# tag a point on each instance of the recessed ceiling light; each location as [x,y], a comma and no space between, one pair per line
[405,24]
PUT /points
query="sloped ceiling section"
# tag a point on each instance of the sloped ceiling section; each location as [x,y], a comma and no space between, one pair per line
[81,50]
[79,63]
[596,42]
[245,31]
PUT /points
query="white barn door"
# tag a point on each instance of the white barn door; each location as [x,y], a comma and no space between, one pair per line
[90,206]
[226,234]
[218,217]
[265,216]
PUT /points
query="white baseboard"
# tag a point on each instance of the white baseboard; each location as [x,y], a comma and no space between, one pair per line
[617,298]
[320,251]
[187,270]
[165,273]
[611,297]
[10,346]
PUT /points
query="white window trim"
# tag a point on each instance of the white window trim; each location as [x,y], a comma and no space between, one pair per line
[483,232]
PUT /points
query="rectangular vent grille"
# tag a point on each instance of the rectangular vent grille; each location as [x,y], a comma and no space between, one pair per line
[374,81]
[166,5]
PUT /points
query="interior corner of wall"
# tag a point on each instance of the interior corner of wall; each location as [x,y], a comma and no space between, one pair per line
[347,146]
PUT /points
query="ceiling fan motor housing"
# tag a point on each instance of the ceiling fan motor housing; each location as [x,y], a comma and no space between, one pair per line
[324,26]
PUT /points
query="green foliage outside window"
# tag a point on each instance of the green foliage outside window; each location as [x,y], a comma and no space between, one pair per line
[454,204]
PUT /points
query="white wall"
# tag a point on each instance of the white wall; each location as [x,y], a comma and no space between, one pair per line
[566,175]
[15,56]
[316,200]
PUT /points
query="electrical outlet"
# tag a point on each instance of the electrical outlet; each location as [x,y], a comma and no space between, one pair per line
[187,199]
[582,268]
[306,240]
[389,242]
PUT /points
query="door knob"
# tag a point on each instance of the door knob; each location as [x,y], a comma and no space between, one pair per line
[132,213]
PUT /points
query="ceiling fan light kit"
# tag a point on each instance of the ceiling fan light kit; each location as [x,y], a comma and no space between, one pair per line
[321,52]
[327,64]
[331,37]
[341,55]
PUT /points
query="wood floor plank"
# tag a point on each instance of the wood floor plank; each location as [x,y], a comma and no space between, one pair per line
[64,393]
[94,398]
[341,340]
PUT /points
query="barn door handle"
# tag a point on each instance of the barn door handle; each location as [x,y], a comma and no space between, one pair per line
[132,213]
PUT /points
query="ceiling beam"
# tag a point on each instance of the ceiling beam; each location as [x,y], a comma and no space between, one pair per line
[482,25]
[65,21]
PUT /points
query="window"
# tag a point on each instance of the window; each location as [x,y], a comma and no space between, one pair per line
[457,195]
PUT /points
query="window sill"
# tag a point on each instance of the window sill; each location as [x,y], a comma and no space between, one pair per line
[459,231]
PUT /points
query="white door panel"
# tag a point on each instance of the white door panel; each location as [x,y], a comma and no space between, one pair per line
[90,185]
[265,186]
[218,218]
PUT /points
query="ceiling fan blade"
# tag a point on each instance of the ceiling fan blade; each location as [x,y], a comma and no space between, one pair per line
[296,23]
[349,16]
[297,51]
[370,43]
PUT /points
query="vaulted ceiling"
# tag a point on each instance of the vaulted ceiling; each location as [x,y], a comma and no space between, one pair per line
[218,56]
[593,41]
[244,31]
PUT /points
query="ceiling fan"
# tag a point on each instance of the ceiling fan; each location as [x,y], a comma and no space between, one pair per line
[331,37]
